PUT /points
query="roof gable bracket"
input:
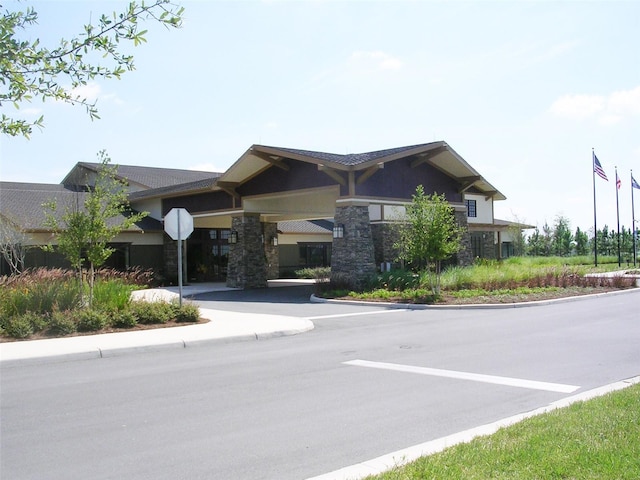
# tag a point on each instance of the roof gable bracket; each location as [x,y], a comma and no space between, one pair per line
[468,182]
[364,176]
[426,157]
[273,160]
[333,174]
[229,187]
[489,195]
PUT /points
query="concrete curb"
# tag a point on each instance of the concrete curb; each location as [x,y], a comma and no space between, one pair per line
[402,457]
[223,327]
[479,306]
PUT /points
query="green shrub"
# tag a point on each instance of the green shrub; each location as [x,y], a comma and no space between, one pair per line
[62,323]
[89,320]
[124,319]
[112,294]
[152,312]
[19,326]
[188,313]
[315,273]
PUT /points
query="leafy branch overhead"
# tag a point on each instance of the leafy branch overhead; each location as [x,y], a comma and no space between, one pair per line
[29,70]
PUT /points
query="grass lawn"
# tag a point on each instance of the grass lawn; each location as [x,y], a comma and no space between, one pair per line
[596,439]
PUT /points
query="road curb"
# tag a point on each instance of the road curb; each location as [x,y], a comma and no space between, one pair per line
[475,306]
[95,351]
[398,458]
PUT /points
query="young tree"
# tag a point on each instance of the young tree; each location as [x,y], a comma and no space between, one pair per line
[12,245]
[535,243]
[429,235]
[84,230]
[561,237]
[582,242]
[29,70]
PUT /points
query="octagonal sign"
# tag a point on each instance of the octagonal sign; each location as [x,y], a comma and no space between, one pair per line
[178,223]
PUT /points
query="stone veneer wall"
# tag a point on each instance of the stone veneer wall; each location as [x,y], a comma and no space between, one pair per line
[465,255]
[247,267]
[384,236]
[170,251]
[271,251]
[489,246]
[352,257]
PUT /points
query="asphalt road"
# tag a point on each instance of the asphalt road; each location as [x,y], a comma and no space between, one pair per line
[290,408]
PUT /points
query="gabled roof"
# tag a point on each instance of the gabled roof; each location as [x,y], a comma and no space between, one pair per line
[146,177]
[191,187]
[437,154]
[22,204]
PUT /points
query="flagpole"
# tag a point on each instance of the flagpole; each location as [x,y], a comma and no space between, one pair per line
[595,223]
[618,215]
[633,223]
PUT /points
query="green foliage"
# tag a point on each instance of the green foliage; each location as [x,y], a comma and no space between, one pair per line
[112,295]
[152,312]
[39,291]
[316,273]
[62,323]
[123,319]
[18,326]
[397,280]
[188,313]
[89,320]
[429,235]
[29,70]
[84,232]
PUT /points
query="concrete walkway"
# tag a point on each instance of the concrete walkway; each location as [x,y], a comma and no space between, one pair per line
[223,326]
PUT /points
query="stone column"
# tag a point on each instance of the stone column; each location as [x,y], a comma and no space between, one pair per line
[465,255]
[247,266]
[352,256]
[271,251]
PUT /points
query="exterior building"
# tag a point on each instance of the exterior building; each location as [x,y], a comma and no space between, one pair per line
[278,209]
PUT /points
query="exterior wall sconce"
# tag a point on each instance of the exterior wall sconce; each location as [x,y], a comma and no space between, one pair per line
[233,237]
[274,241]
[338,231]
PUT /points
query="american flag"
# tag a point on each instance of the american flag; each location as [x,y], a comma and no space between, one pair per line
[618,181]
[634,184]
[598,168]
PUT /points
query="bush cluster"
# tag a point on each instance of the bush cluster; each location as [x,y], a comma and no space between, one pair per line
[49,302]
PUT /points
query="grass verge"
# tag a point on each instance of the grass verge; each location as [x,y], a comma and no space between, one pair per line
[596,439]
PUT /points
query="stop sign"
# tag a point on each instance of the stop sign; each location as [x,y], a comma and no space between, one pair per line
[178,223]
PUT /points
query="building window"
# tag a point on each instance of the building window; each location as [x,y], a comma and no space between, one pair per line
[471,208]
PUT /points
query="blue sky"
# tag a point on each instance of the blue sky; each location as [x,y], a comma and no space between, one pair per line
[522,90]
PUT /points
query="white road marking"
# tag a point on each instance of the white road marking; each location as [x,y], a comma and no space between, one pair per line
[475,377]
[375,312]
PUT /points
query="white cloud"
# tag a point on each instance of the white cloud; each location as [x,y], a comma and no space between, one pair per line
[91,91]
[31,112]
[378,59]
[607,110]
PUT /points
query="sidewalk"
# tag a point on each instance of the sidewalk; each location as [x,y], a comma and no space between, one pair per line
[223,327]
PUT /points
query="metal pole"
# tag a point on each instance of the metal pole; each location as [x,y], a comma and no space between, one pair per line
[179,262]
[633,224]
[595,223]
[618,218]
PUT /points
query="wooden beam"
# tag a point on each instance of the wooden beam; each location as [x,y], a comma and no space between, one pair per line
[229,187]
[426,156]
[489,194]
[273,160]
[333,174]
[468,182]
[368,172]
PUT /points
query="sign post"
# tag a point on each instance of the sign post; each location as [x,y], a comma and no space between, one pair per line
[178,224]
